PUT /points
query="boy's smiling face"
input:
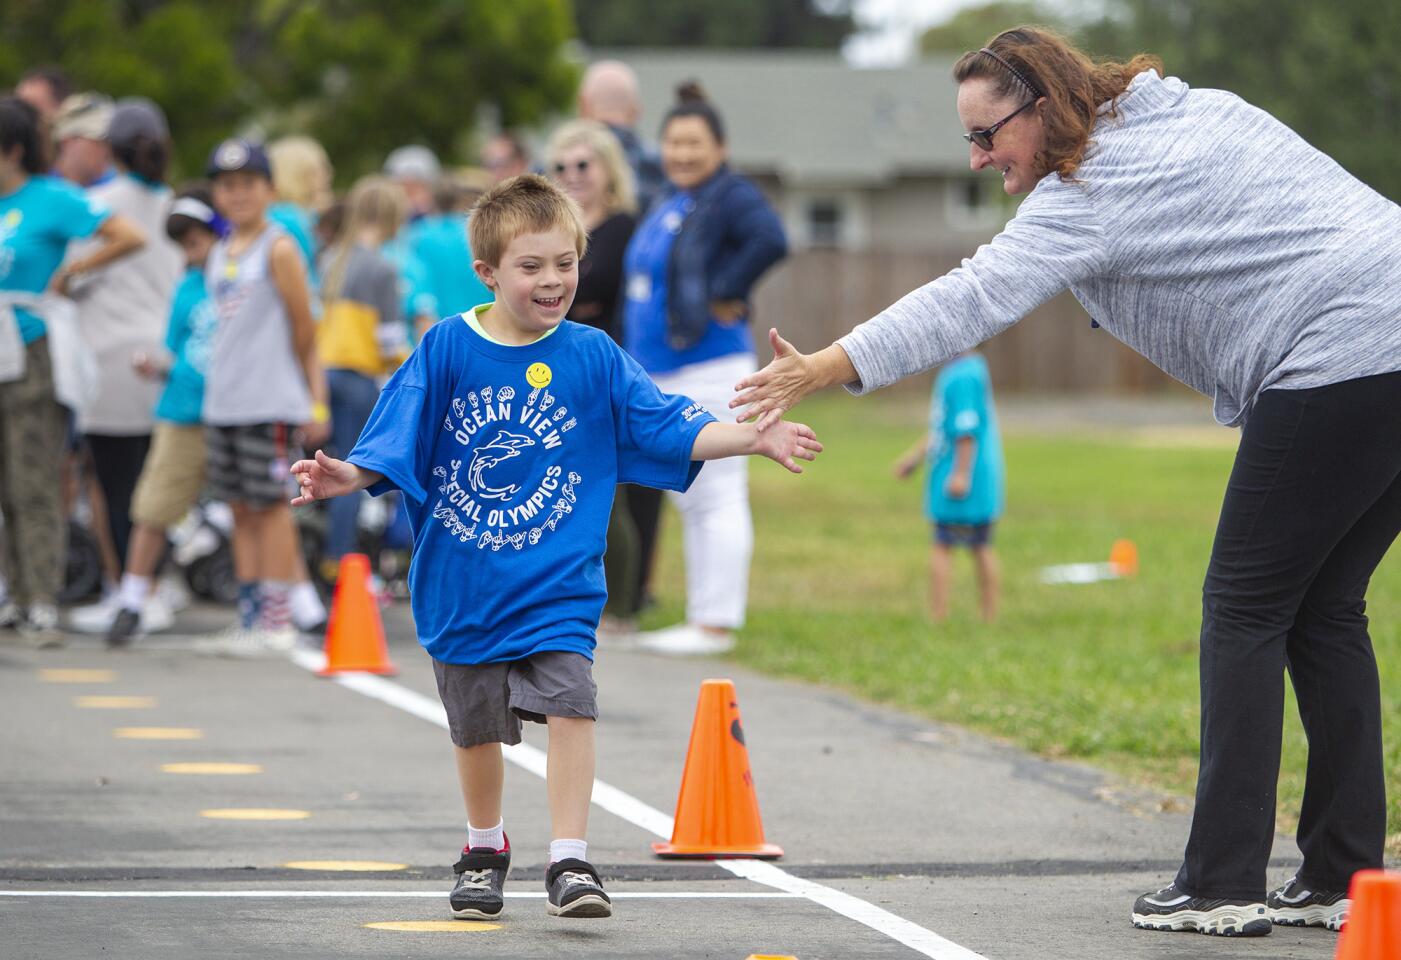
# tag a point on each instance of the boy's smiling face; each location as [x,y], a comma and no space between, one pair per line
[534,285]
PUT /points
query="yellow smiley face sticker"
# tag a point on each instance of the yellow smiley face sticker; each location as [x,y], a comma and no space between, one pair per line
[538,375]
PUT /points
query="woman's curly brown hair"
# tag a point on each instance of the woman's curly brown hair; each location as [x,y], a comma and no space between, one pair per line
[1073,84]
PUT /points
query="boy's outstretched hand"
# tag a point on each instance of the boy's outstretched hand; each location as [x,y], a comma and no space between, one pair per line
[325,477]
[786,442]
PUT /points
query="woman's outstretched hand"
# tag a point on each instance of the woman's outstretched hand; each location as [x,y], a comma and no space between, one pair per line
[776,389]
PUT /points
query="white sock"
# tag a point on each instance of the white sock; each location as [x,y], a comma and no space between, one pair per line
[132,594]
[307,608]
[568,849]
[495,838]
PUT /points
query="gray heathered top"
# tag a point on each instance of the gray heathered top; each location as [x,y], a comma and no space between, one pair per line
[254,374]
[1203,233]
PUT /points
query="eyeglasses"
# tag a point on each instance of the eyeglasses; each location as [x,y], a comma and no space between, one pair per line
[578,166]
[983,138]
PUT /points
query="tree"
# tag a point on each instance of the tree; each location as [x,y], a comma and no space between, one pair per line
[363,76]
[971,28]
[1329,71]
[715,23]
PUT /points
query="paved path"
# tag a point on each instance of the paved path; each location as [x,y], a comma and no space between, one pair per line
[903,838]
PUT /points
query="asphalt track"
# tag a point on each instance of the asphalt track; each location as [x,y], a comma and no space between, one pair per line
[902,838]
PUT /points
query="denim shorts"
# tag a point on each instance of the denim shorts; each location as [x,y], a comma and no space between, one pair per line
[963,534]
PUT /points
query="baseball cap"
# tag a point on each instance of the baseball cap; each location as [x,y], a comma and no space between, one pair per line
[236,154]
[87,115]
[136,117]
[413,163]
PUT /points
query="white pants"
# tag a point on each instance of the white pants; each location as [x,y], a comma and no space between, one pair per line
[716,525]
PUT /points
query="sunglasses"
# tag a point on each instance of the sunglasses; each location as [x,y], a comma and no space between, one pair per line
[983,138]
[578,166]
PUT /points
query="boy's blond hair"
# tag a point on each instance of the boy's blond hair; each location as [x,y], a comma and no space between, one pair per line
[525,204]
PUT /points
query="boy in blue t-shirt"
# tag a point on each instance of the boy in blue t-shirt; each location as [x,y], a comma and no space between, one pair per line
[507,430]
[173,475]
[965,494]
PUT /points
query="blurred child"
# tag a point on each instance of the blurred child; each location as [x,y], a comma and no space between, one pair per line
[965,494]
[172,477]
[362,335]
[263,384]
[507,430]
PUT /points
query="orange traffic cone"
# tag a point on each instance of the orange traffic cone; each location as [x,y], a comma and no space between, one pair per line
[1373,927]
[355,635]
[717,812]
[1123,557]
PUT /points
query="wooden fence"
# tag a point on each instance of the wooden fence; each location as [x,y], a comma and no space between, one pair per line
[815,296]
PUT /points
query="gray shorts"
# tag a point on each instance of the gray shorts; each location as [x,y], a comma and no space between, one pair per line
[486,702]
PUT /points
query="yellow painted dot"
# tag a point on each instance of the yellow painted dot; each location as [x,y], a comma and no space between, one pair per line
[434,926]
[158,733]
[217,769]
[115,703]
[348,866]
[254,813]
[56,675]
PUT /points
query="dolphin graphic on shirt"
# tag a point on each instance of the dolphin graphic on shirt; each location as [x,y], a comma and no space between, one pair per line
[504,446]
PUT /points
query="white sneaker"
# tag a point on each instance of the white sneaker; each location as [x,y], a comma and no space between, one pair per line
[40,627]
[246,643]
[686,640]
[156,614]
[172,592]
[95,617]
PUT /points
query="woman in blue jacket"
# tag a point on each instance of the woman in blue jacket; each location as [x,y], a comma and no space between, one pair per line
[689,271]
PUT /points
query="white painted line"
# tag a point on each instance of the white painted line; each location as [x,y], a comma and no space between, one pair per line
[649,818]
[378,894]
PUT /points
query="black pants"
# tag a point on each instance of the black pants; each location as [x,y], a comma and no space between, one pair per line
[117,462]
[645,506]
[1313,503]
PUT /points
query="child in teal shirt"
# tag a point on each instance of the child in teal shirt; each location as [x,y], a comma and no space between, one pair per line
[965,496]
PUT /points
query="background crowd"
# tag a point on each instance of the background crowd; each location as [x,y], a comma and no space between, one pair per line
[167,344]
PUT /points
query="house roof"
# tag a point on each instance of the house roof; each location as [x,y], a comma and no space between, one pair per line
[807,116]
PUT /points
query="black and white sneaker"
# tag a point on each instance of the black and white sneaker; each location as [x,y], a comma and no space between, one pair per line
[481,877]
[124,627]
[576,891]
[1171,909]
[1294,905]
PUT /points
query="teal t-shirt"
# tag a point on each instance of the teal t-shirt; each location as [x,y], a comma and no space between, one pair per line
[189,339]
[36,223]
[298,223]
[440,243]
[415,285]
[962,407]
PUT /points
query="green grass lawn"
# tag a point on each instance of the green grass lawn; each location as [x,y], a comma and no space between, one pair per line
[1105,673]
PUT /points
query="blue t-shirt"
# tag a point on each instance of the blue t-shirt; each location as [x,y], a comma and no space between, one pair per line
[962,407]
[508,457]
[645,267]
[36,223]
[189,338]
[439,241]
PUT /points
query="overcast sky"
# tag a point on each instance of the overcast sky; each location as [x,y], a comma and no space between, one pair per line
[895,26]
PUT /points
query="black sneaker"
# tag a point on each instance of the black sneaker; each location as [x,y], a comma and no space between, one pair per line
[481,875]
[575,890]
[1171,909]
[1293,905]
[123,628]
